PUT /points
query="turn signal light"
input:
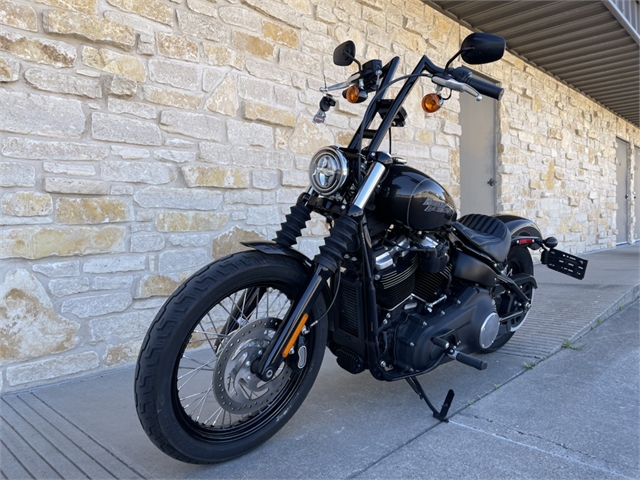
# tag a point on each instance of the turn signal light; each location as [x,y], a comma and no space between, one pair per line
[431,102]
[353,94]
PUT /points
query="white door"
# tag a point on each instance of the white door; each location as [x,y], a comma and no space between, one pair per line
[477,155]
[622,154]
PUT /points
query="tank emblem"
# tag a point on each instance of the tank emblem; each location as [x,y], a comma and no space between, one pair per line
[438,206]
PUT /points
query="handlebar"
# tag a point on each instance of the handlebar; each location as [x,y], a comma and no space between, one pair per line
[456,85]
[463,74]
[385,80]
[486,88]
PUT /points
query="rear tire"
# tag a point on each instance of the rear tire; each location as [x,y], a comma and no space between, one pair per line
[518,262]
[196,397]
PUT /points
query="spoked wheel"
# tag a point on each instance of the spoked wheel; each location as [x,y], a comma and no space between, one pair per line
[519,264]
[197,397]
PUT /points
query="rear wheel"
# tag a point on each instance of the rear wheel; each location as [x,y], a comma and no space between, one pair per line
[519,265]
[196,395]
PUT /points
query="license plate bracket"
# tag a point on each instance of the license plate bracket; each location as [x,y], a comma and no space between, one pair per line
[565,263]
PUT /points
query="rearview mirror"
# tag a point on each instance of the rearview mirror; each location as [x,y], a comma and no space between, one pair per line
[344,54]
[480,48]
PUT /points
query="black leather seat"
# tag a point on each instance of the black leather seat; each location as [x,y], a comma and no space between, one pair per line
[488,234]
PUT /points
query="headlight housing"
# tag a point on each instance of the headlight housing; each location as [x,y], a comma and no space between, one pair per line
[328,171]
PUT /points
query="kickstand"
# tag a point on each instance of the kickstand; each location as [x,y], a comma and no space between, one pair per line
[440,415]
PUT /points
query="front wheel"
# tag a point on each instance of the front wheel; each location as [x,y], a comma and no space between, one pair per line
[196,396]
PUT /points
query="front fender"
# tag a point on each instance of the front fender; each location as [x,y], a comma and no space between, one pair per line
[272,248]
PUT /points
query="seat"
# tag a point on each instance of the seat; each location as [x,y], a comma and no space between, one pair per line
[488,234]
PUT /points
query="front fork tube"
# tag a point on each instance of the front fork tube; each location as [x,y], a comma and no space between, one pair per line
[326,264]
[277,349]
[346,230]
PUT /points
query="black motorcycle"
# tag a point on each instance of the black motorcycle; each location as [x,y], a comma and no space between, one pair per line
[400,286]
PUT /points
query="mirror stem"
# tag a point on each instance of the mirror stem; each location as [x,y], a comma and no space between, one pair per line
[354,59]
[446,67]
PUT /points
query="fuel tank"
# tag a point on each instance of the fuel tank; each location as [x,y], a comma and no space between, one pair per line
[414,199]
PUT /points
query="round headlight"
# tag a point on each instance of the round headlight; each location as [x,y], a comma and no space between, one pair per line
[328,171]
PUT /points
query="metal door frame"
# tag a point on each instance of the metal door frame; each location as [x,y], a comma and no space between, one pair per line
[635,233]
[625,207]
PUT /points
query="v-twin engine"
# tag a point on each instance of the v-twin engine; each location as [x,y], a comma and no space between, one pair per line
[419,268]
[415,293]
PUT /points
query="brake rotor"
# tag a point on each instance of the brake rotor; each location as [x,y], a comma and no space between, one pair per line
[237,389]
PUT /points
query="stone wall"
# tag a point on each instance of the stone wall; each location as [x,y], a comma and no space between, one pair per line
[142,139]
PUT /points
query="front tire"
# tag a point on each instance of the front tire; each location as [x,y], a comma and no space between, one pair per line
[196,396]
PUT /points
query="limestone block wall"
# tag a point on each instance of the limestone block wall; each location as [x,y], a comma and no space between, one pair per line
[140,140]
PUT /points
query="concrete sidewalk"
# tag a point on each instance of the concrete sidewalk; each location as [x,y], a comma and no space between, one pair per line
[573,415]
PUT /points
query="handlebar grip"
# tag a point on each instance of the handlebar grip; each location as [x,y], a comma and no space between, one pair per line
[471,361]
[487,89]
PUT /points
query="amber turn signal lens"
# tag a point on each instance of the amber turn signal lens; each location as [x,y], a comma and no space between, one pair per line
[353,94]
[431,102]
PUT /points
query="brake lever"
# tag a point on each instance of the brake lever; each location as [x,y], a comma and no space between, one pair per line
[339,86]
[457,86]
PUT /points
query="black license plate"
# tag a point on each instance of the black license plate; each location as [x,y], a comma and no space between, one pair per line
[565,263]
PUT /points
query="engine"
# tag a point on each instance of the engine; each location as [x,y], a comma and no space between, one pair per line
[469,321]
[418,299]
[407,268]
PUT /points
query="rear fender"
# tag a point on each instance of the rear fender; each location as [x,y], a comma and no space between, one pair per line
[523,231]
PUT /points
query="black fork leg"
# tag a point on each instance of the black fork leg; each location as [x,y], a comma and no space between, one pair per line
[327,262]
[273,355]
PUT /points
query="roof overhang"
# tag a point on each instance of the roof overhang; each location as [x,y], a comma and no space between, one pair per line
[590,45]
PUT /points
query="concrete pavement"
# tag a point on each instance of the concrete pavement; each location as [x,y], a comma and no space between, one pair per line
[569,413]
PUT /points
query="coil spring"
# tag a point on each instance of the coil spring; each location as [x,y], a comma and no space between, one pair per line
[293,225]
[344,231]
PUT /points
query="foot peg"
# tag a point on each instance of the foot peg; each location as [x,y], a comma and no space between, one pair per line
[452,352]
[467,359]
